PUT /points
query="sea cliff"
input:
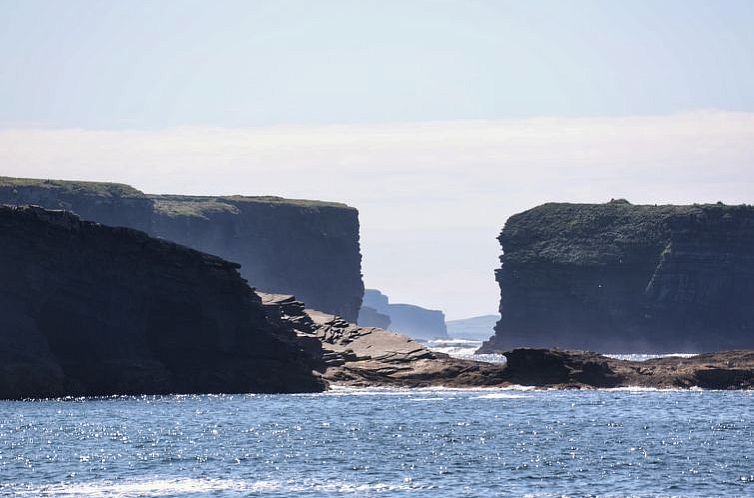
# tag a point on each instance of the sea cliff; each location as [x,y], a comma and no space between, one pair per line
[87,309]
[618,277]
[307,248]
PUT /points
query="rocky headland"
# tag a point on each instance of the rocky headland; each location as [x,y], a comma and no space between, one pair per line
[307,248]
[87,310]
[618,277]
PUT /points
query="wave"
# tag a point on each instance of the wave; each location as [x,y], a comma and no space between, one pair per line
[171,487]
[647,356]
[500,396]
[465,349]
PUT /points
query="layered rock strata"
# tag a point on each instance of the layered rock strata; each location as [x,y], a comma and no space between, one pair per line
[368,357]
[622,278]
[306,248]
[88,310]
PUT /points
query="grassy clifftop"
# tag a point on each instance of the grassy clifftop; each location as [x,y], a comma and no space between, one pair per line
[204,206]
[102,189]
[598,233]
[177,205]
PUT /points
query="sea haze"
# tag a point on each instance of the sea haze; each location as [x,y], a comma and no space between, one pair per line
[388,443]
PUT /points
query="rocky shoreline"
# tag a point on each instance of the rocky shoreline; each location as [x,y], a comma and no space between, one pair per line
[92,310]
[354,356]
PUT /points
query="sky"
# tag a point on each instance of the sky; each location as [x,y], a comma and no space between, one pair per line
[437,119]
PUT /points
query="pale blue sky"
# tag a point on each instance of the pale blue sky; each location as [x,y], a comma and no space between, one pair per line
[151,64]
[437,119]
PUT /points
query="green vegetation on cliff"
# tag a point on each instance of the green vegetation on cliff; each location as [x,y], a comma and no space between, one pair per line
[102,189]
[596,234]
[205,206]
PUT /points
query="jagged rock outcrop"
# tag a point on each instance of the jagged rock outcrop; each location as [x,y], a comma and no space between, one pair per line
[350,355]
[358,356]
[306,248]
[408,319]
[617,277]
[87,309]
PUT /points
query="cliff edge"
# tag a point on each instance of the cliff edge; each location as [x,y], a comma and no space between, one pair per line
[307,248]
[618,277]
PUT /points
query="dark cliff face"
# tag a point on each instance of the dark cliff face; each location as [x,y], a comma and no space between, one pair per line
[306,248]
[622,278]
[413,321]
[310,249]
[87,309]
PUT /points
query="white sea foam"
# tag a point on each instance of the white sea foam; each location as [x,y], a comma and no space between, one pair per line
[464,349]
[500,396]
[647,356]
[172,487]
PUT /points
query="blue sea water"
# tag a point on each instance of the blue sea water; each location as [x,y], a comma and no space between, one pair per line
[423,443]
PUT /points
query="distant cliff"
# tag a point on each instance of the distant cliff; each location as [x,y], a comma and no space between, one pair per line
[478,328]
[413,321]
[623,278]
[306,248]
[87,309]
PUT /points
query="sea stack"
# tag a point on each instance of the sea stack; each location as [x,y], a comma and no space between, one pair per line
[618,277]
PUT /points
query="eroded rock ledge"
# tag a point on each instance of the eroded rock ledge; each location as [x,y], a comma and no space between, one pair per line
[357,356]
[351,355]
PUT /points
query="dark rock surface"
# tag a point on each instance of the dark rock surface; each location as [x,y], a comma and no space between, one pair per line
[370,357]
[306,248]
[622,278]
[87,309]
[355,356]
[408,319]
[574,369]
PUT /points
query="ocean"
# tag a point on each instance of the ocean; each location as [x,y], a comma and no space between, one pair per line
[381,442]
